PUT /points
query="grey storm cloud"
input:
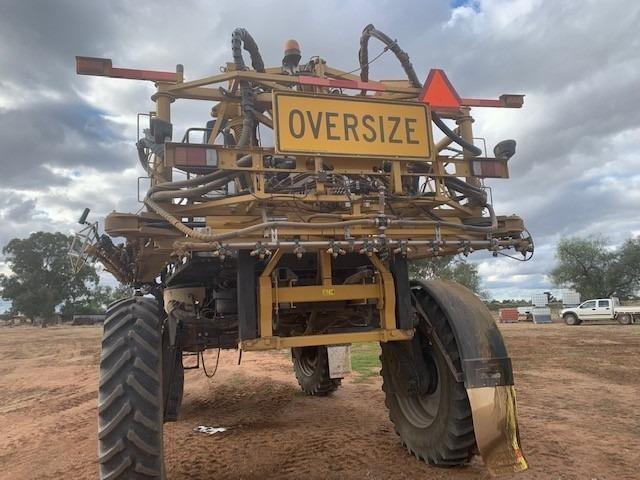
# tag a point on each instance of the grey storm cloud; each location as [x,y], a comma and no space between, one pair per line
[55,134]
[41,37]
[15,209]
[67,141]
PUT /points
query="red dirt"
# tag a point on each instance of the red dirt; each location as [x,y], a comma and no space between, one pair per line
[578,391]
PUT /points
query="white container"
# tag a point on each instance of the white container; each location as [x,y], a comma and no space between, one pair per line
[570,298]
[540,300]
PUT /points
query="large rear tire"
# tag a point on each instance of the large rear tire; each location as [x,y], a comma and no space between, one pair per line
[311,365]
[436,424]
[130,406]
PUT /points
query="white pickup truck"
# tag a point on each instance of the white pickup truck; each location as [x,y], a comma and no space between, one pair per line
[601,309]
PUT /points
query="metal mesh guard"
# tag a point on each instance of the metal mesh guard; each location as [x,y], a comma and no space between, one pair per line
[78,251]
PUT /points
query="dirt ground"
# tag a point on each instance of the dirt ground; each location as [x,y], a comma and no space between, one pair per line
[578,392]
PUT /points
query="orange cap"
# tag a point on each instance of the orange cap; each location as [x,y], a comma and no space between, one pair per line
[291,44]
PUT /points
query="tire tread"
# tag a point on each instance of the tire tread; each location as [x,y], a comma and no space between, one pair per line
[130,399]
[457,444]
[320,383]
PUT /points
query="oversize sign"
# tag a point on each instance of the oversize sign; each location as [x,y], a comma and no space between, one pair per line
[338,125]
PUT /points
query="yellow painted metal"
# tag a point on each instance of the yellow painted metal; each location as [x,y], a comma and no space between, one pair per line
[328,293]
[163,101]
[271,296]
[227,158]
[265,295]
[271,77]
[221,118]
[337,125]
[325,268]
[388,306]
[496,428]
[276,343]
[396,177]
[465,126]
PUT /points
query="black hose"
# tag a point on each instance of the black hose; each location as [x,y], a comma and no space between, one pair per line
[401,55]
[403,58]
[247,101]
[469,147]
[238,37]
[466,189]
[196,186]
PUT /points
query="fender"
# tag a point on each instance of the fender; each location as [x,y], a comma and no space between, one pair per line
[485,370]
[483,354]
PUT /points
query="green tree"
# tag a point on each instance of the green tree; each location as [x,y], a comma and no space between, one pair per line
[96,301]
[625,274]
[42,277]
[595,271]
[455,269]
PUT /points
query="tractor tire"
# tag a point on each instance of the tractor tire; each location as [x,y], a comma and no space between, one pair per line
[624,319]
[130,406]
[311,365]
[571,319]
[436,426]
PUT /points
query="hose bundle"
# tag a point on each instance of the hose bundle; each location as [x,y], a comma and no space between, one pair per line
[403,58]
[196,187]
[247,101]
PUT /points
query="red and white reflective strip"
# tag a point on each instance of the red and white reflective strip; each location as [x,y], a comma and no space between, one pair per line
[193,156]
[489,168]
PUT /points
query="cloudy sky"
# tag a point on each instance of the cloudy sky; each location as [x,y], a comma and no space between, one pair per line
[67,141]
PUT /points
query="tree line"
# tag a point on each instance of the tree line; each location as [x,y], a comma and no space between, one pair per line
[43,283]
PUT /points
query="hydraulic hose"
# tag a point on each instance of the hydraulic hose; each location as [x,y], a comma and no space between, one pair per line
[287,224]
[209,237]
[466,189]
[177,224]
[169,190]
[239,37]
[192,182]
[401,55]
[469,147]
[403,58]
[195,192]
[472,228]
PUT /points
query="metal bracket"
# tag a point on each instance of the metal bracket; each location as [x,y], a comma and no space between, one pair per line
[197,355]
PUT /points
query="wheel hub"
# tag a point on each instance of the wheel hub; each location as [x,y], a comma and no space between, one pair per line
[422,409]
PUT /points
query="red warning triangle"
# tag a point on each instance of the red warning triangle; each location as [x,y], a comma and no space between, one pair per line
[438,91]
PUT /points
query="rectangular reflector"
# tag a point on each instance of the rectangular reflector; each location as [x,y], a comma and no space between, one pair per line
[93,66]
[193,158]
[489,168]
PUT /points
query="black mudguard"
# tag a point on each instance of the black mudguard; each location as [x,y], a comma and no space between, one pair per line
[486,371]
[483,354]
